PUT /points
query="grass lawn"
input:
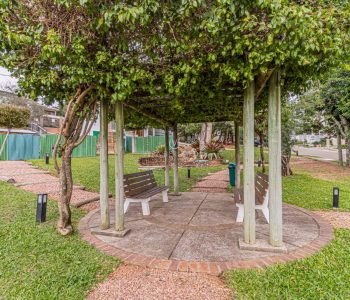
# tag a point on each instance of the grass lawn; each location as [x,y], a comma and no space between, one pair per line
[229,154]
[86,171]
[325,275]
[35,261]
[315,194]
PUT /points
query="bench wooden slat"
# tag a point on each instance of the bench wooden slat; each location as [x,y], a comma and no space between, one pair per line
[261,188]
[141,189]
[138,174]
[138,179]
[146,181]
[151,192]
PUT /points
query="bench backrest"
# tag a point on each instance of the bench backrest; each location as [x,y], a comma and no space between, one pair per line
[137,183]
[261,188]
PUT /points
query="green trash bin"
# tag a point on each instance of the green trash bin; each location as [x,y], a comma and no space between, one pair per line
[232,173]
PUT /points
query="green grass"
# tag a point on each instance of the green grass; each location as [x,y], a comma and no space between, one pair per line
[229,154]
[315,194]
[325,275]
[38,263]
[86,171]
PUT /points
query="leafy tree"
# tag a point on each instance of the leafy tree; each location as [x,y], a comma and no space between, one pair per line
[12,117]
[66,52]
[335,94]
[169,61]
[288,124]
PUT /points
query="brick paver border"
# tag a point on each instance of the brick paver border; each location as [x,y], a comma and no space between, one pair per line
[212,268]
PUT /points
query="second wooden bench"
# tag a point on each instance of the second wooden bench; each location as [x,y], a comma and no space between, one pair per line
[140,187]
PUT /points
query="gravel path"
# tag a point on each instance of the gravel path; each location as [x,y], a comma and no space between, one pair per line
[338,219]
[136,283]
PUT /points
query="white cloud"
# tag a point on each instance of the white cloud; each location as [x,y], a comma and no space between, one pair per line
[6,78]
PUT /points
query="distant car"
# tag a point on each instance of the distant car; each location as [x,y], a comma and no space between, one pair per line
[256,143]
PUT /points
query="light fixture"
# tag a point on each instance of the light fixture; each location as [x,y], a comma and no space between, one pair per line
[41,203]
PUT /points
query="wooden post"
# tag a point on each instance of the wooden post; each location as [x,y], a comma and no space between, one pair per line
[119,167]
[340,149]
[166,156]
[237,156]
[275,172]
[104,207]
[248,154]
[176,161]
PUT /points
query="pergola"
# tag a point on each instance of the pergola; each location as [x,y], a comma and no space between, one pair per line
[157,109]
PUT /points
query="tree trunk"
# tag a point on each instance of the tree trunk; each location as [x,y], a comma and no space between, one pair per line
[262,155]
[209,132]
[202,140]
[237,157]
[347,141]
[4,142]
[286,168]
[79,117]
[176,161]
[226,136]
[340,150]
[64,224]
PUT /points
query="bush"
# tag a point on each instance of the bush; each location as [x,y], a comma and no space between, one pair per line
[212,149]
[14,116]
[160,150]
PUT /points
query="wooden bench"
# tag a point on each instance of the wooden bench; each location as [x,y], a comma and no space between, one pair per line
[140,187]
[261,197]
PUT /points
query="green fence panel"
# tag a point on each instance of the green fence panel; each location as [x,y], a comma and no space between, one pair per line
[47,142]
[86,148]
[128,144]
[150,144]
[4,155]
[23,146]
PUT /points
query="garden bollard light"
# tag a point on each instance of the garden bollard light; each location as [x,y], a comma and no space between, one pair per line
[335,197]
[41,208]
[47,158]
[188,172]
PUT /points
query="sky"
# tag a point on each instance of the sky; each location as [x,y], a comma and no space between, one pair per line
[5,77]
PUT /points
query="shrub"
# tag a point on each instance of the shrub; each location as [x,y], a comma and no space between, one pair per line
[14,116]
[160,150]
[212,149]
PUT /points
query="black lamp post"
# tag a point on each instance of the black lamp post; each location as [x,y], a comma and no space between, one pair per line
[188,172]
[335,197]
[47,158]
[41,203]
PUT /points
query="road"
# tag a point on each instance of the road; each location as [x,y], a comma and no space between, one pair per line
[320,153]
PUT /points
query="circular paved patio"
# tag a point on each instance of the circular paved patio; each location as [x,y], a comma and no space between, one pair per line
[197,232]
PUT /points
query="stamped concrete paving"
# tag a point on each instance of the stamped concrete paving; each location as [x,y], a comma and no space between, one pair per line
[201,227]
[32,179]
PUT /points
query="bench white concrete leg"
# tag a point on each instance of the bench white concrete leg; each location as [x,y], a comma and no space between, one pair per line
[165,196]
[145,207]
[126,205]
[240,214]
[266,213]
